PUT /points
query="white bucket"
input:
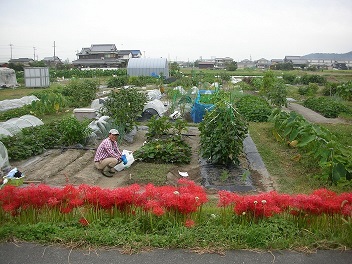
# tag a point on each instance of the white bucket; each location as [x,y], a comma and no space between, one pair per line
[130,160]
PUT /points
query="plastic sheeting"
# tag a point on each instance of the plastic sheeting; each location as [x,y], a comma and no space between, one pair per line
[4,158]
[157,105]
[154,94]
[7,77]
[199,109]
[14,125]
[17,103]
[100,127]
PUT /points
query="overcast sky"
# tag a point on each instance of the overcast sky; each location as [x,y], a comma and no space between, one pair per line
[177,29]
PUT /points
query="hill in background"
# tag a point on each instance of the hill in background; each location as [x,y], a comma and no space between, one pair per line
[328,56]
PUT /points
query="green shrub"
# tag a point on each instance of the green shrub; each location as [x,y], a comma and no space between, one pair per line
[118,81]
[73,131]
[254,108]
[289,78]
[124,107]
[221,135]
[35,140]
[328,107]
[345,91]
[309,90]
[165,150]
[80,93]
[312,78]
[142,80]
[330,89]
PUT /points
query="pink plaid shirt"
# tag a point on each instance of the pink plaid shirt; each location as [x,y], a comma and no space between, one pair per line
[107,149]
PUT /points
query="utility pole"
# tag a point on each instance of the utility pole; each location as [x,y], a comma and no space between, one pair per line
[11,50]
[34,53]
[54,50]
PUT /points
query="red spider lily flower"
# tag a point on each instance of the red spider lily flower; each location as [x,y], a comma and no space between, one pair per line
[66,209]
[83,221]
[158,211]
[189,223]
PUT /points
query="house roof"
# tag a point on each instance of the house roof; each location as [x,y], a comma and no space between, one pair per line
[52,58]
[292,57]
[97,61]
[125,52]
[21,60]
[136,52]
[295,62]
[103,48]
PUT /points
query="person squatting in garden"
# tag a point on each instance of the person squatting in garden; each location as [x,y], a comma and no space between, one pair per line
[108,154]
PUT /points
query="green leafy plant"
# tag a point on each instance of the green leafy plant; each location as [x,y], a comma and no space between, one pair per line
[254,108]
[165,143]
[318,142]
[167,150]
[328,107]
[344,90]
[117,81]
[222,133]
[124,106]
[73,131]
[80,93]
[158,126]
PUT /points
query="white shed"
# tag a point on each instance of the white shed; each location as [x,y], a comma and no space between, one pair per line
[36,77]
[148,67]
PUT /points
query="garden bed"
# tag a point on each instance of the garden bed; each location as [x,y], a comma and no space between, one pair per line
[58,167]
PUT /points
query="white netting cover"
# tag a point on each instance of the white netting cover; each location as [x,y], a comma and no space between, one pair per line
[4,158]
[101,126]
[5,132]
[154,94]
[7,77]
[98,103]
[16,103]
[11,127]
[14,125]
[35,121]
[157,105]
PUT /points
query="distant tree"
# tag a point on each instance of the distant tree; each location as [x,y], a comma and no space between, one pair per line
[286,66]
[38,64]
[16,66]
[174,69]
[231,66]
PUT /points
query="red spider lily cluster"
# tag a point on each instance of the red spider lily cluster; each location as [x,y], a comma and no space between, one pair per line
[320,202]
[183,199]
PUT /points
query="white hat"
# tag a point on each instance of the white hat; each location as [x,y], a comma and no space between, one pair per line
[114,132]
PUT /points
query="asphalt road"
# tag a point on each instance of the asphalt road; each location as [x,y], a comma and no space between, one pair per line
[30,253]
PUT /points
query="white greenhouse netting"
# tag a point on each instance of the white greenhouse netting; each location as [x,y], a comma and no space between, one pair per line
[4,158]
[14,125]
[17,103]
[157,105]
[35,121]
[7,77]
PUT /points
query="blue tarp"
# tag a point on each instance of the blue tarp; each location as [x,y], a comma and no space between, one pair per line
[199,109]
